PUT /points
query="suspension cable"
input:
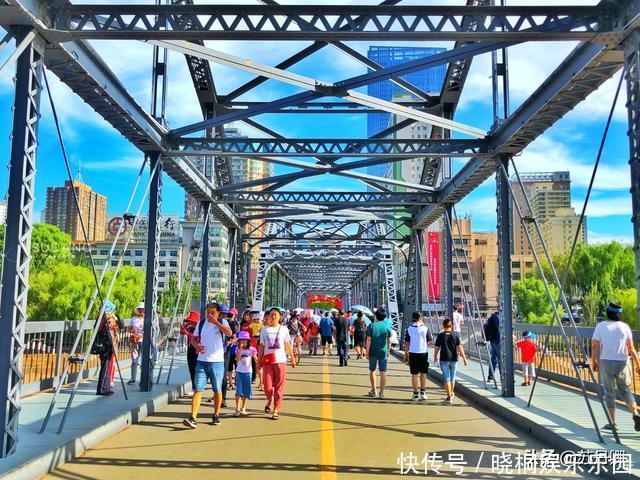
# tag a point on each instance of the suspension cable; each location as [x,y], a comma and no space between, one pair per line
[574,363]
[567,268]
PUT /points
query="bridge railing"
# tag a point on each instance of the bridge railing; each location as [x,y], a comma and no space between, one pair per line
[48,346]
[557,363]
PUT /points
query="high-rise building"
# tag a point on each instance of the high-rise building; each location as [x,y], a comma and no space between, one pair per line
[480,265]
[60,210]
[3,212]
[429,80]
[550,196]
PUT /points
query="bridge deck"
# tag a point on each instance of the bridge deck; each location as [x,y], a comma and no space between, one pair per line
[328,427]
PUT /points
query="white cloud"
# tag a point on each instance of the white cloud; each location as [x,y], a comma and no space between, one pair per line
[128,163]
[549,155]
[598,237]
[606,207]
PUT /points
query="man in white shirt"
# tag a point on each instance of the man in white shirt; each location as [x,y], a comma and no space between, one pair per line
[209,342]
[416,344]
[458,319]
[611,347]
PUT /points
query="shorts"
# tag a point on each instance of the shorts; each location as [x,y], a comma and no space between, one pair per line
[326,340]
[381,361]
[243,385]
[614,373]
[359,339]
[449,370]
[529,369]
[418,363]
[212,371]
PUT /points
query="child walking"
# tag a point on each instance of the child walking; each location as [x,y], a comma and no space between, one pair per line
[244,370]
[528,351]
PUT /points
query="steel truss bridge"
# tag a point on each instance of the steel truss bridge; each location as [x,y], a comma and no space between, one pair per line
[339,243]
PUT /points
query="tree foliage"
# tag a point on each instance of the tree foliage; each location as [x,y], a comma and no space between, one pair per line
[532,301]
[128,290]
[60,294]
[597,274]
[628,299]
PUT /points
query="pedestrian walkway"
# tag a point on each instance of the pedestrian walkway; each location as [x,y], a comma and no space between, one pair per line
[557,414]
[91,420]
[328,429]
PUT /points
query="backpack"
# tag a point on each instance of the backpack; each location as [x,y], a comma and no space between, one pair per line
[313,328]
[491,333]
[201,324]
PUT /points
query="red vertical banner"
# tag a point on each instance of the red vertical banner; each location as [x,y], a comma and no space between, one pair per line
[433,257]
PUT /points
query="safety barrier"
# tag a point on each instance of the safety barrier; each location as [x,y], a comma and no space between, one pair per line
[47,346]
[557,362]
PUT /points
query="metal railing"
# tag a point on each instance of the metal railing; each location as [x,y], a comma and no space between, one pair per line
[48,345]
[557,363]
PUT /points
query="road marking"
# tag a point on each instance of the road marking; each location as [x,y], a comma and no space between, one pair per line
[327,443]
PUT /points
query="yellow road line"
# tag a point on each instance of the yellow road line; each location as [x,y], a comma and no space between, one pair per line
[327,443]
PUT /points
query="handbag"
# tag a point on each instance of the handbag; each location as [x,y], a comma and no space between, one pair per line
[269,358]
[98,347]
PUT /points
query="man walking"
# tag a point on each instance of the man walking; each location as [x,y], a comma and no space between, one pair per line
[611,347]
[458,319]
[492,335]
[416,354]
[377,351]
[326,333]
[342,337]
[209,339]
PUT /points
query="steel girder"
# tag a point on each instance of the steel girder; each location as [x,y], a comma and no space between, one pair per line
[586,68]
[327,23]
[17,241]
[319,148]
[151,323]
[632,54]
[79,66]
[262,199]
[332,107]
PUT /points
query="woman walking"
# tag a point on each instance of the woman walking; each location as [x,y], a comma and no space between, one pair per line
[359,334]
[275,345]
[450,349]
[107,339]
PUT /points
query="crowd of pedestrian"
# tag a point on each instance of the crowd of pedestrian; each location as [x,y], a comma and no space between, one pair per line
[230,353]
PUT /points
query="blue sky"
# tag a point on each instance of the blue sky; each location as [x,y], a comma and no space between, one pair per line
[110,164]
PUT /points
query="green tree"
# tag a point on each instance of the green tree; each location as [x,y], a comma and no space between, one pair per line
[128,290]
[591,302]
[532,300]
[628,299]
[60,294]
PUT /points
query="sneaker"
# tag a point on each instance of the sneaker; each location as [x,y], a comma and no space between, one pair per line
[215,420]
[416,397]
[449,401]
[244,412]
[609,426]
[190,422]
[372,393]
[423,395]
[636,423]
[381,396]
[224,404]
[236,413]
[131,382]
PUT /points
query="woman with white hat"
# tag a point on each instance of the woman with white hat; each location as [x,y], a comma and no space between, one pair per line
[135,329]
